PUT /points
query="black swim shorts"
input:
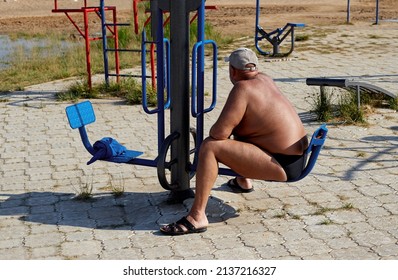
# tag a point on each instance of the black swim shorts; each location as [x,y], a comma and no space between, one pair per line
[292,164]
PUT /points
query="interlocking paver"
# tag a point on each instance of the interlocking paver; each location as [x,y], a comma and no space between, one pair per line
[346,209]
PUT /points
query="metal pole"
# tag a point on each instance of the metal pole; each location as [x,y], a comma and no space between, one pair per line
[377,11]
[200,77]
[116,39]
[104,42]
[257,16]
[157,35]
[87,43]
[257,25]
[179,88]
[348,11]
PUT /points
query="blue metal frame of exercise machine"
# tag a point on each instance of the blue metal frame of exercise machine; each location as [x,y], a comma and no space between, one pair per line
[173,78]
[275,37]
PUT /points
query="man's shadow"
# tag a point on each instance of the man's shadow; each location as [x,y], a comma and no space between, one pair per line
[129,211]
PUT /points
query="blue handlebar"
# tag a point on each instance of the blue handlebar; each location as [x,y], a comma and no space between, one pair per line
[194,110]
[143,71]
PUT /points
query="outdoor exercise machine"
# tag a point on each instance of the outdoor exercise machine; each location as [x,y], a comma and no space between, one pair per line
[173,69]
[275,37]
[173,93]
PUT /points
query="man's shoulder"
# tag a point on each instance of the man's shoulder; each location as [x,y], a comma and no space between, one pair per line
[264,76]
[258,81]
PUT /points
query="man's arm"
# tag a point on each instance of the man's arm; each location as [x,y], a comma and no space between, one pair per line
[231,115]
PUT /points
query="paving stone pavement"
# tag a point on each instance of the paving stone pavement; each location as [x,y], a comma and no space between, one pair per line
[347,208]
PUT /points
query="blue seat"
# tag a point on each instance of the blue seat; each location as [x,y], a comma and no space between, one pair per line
[317,141]
[81,114]
[312,152]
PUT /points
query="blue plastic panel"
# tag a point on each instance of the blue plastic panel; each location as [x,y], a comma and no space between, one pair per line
[80,114]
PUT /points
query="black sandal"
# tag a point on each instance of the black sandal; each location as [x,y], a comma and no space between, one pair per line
[176,229]
[233,184]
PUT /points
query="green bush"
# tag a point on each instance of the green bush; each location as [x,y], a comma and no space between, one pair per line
[348,109]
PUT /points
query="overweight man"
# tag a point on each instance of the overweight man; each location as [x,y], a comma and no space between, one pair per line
[258,134]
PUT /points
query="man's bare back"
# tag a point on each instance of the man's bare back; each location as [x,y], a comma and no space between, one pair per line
[263,116]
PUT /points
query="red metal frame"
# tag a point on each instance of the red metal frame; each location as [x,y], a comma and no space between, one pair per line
[84,31]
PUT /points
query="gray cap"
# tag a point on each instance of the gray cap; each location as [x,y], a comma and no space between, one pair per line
[239,58]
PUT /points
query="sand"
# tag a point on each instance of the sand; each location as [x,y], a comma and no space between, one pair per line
[231,16]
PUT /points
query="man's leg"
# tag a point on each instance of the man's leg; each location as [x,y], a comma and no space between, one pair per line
[246,159]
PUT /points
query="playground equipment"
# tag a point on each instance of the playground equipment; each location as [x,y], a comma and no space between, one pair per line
[105,27]
[173,68]
[275,37]
[108,30]
[85,10]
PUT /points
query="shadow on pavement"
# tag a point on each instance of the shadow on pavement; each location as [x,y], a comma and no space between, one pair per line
[130,211]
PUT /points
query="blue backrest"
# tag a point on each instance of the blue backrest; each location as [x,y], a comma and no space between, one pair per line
[317,141]
[80,114]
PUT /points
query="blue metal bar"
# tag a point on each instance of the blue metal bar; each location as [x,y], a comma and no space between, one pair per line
[163,73]
[197,93]
[160,80]
[104,41]
[143,71]
[167,70]
[200,48]
[257,29]
[214,87]
[160,71]
[197,96]
[144,162]
[85,140]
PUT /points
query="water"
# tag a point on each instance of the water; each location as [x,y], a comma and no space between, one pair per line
[8,46]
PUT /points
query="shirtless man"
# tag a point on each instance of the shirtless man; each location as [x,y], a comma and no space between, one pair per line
[258,135]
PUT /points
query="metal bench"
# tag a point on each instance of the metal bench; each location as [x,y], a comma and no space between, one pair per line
[348,84]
